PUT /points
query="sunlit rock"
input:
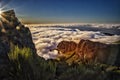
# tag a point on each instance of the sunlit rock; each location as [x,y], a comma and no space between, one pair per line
[89,51]
[18,27]
[66,46]
[12,33]
[9,19]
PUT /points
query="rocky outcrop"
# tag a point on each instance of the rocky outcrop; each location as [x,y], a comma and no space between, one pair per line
[96,51]
[12,33]
[9,20]
[66,46]
[89,51]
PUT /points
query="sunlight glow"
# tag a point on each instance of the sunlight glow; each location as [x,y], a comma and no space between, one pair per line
[0,13]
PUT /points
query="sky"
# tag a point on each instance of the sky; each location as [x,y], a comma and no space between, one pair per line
[65,11]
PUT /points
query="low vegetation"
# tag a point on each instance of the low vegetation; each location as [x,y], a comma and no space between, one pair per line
[117,42]
[24,66]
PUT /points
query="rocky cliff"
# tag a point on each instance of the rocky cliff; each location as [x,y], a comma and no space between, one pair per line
[12,33]
[67,46]
[89,51]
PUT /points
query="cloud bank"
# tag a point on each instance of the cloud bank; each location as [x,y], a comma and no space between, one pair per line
[47,38]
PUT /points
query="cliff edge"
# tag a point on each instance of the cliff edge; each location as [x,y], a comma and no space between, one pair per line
[12,33]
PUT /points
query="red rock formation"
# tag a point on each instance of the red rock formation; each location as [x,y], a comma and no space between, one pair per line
[88,51]
[66,46]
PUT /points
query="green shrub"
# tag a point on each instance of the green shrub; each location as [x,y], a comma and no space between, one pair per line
[44,70]
[16,52]
[20,63]
[26,67]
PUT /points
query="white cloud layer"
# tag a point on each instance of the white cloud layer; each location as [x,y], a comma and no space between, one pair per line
[46,39]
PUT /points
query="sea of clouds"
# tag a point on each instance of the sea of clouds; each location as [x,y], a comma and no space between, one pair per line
[47,37]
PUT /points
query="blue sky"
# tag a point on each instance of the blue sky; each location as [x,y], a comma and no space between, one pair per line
[66,11]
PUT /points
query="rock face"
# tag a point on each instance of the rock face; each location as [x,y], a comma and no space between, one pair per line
[66,46]
[12,32]
[9,19]
[89,51]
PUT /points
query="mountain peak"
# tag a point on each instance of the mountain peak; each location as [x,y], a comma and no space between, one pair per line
[9,19]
